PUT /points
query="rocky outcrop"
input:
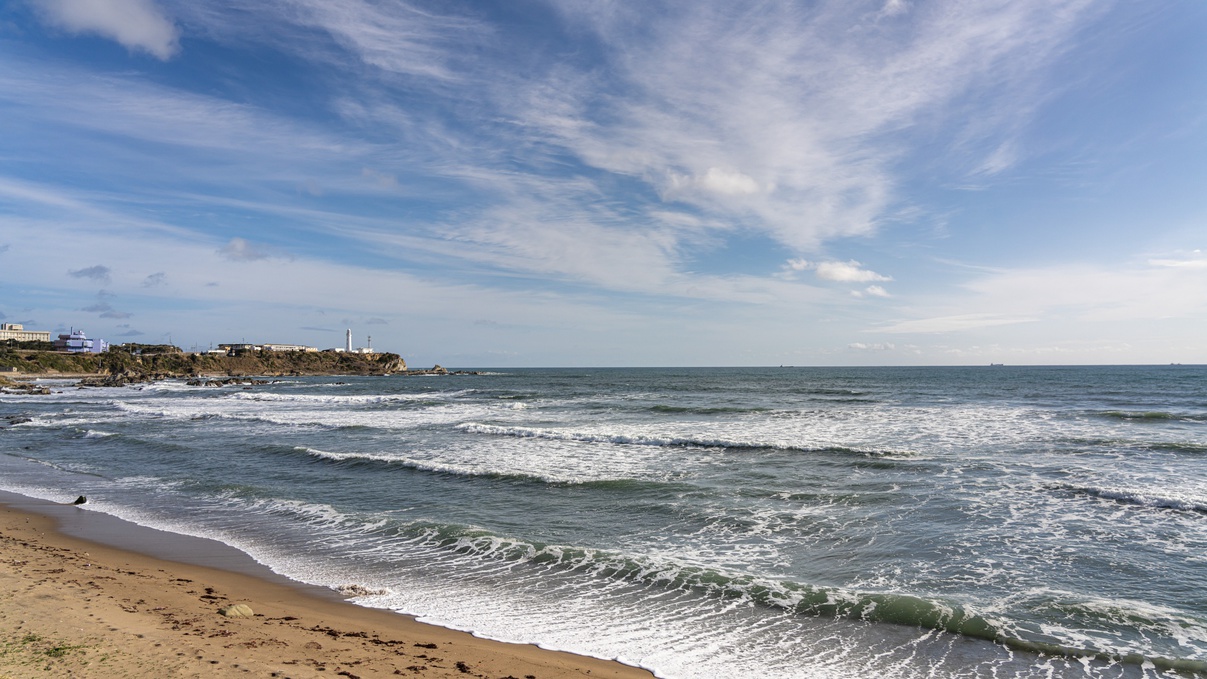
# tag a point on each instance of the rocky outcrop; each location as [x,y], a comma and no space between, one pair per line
[120,368]
[201,382]
[122,379]
[25,388]
[441,370]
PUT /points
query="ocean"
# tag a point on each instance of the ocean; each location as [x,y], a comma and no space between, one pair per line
[705,522]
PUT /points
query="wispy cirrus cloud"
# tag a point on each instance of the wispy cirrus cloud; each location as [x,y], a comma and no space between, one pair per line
[781,120]
[401,37]
[806,108]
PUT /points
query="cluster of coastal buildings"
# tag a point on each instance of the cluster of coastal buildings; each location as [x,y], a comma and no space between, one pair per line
[76,342]
[72,342]
[233,349]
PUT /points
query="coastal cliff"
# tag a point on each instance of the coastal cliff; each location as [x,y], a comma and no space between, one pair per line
[178,364]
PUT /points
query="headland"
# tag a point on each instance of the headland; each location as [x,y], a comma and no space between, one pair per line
[117,367]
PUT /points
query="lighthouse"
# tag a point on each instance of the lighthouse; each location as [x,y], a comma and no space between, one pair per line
[348,341]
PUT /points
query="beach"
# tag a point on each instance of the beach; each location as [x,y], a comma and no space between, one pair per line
[71,607]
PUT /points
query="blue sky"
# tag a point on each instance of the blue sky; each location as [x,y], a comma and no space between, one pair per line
[612,183]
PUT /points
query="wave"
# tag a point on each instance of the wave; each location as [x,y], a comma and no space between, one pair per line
[668,441]
[335,400]
[1150,416]
[94,434]
[1136,498]
[718,410]
[1176,446]
[893,608]
[320,419]
[477,472]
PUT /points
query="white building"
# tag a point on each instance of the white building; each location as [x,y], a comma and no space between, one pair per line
[18,333]
[76,342]
[288,347]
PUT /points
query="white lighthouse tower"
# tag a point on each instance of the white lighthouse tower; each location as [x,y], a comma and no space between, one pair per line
[348,341]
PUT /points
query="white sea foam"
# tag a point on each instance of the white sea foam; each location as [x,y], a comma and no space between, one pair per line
[477,466]
[303,413]
[324,399]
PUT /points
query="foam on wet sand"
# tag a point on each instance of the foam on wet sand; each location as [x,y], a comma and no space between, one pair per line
[135,602]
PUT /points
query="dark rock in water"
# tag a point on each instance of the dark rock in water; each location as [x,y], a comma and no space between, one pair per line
[17,419]
[25,388]
[121,379]
[226,382]
[439,370]
[80,500]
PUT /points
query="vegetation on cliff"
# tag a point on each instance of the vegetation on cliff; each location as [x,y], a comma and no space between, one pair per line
[120,361]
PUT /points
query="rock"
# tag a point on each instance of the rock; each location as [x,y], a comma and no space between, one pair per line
[80,500]
[237,611]
[226,382]
[354,589]
[25,388]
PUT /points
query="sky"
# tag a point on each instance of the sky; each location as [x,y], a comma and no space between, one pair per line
[611,183]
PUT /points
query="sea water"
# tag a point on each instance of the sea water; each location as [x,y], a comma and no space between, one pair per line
[773,522]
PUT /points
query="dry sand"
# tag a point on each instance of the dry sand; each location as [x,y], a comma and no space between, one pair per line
[71,607]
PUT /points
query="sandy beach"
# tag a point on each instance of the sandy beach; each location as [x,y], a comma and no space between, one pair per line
[74,607]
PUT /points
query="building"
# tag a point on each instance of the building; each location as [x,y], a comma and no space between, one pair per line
[368,349]
[348,346]
[239,348]
[288,347]
[76,342]
[18,333]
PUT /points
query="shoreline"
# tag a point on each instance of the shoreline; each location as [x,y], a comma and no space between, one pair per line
[87,594]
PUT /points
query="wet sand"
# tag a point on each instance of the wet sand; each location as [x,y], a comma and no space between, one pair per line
[84,594]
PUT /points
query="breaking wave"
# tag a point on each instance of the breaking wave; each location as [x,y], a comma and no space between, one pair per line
[1136,498]
[666,441]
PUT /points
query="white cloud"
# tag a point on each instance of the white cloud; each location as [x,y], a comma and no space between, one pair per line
[894,7]
[1194,260]
[240,250]
[716,181]
[813,105]
[876,346]
[847,272]
[136,24]
[957,323]
[1122,297]
[1002,158]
